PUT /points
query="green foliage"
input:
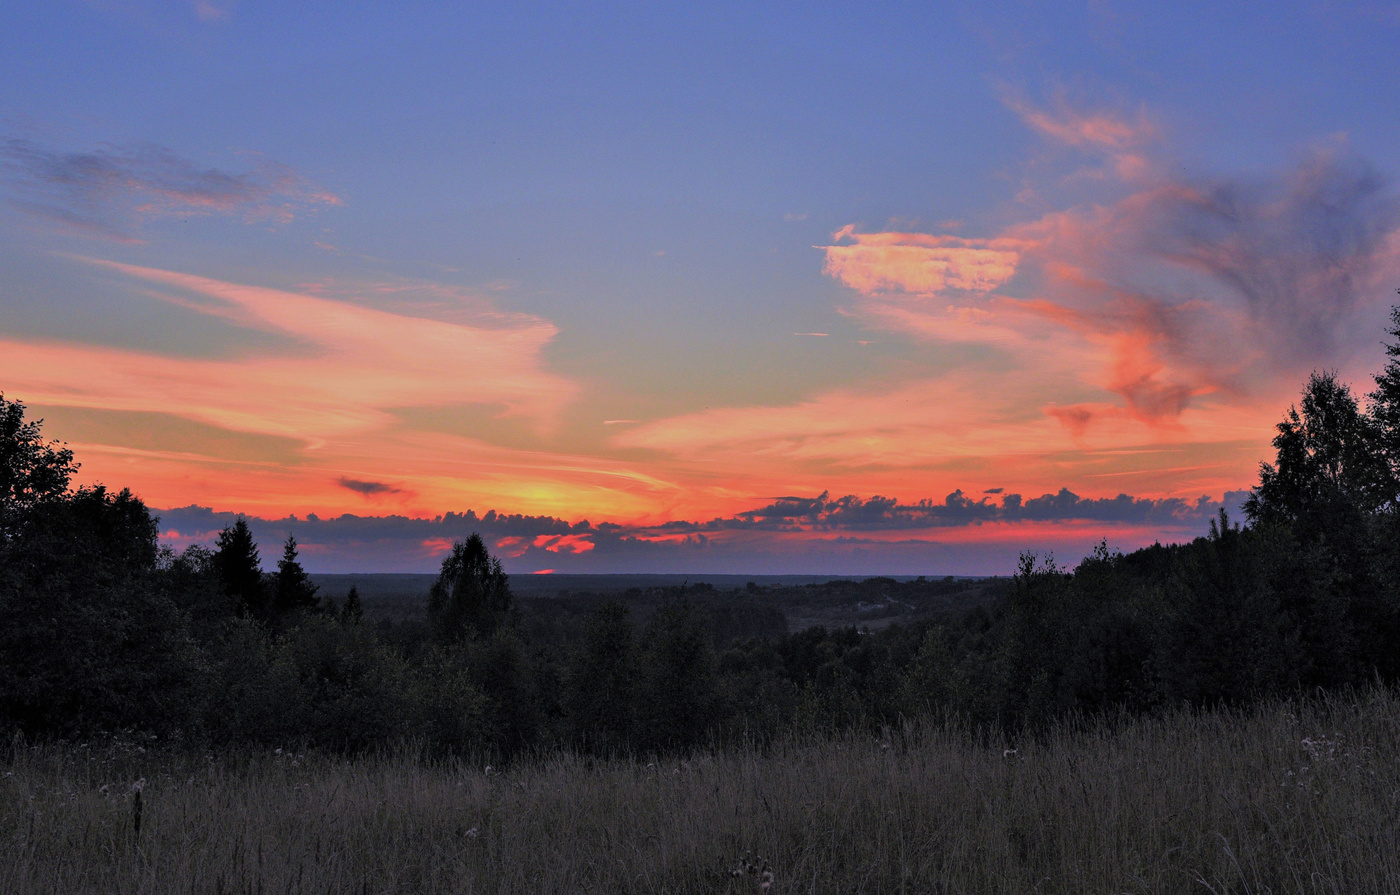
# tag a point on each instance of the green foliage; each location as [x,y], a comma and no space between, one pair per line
[501,669]
[454,710]
[1385,402]
[1330,470]
[316,683]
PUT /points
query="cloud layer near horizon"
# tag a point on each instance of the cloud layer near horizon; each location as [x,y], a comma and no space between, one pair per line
[818,535]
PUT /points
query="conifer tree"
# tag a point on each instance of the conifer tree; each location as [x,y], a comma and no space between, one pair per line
[294,588]
[1385,406]
[240,570]
[353,610]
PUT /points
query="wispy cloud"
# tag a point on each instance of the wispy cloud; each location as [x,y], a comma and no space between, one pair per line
[1125,142]
[1175,315]
[338,383]
[1179,289]
[109,190]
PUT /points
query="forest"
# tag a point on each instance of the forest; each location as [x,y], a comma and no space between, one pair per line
[1217,716]
[103,629]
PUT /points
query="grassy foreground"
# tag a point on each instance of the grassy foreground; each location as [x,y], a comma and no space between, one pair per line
[1290,797]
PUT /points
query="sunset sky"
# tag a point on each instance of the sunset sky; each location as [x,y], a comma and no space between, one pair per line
[826,288]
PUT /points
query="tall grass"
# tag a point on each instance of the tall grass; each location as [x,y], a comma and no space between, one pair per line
[1288,797]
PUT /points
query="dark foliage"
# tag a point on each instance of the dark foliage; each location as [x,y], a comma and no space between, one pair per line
[87,639]
[240,570]
[31,469]
[472,594]
[101,629]
[293,590]
[353,610]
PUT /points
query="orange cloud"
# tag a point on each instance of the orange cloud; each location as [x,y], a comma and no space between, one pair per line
[918,263]
[437,546]
[563,543]
[353,365]
[1159,336]
[336,392]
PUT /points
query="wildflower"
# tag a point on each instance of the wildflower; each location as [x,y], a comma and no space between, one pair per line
[765,881]
[1007,753]
[472,833]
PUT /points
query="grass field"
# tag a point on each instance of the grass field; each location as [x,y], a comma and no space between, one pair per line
[1289,797]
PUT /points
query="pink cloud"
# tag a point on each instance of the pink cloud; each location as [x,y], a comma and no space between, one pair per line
[1174,321]
[337,391]
[1124,141]
[563,543]
[1074,127]
[918,263]
[436,546]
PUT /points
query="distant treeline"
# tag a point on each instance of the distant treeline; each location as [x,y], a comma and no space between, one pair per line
[102,628]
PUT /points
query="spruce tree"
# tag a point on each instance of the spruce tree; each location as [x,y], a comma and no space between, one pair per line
[353,610]
[1385,406]
[294,588]
[240,570]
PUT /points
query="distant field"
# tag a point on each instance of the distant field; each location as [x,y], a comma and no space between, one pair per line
[1291,797]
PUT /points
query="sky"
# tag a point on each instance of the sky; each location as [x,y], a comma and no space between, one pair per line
[844,288]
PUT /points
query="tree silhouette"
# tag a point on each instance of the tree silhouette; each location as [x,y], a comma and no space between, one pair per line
[1328,461]
[353,610]
[472,594]
[294,589]
[31,469]
[240,570]
[1385,406]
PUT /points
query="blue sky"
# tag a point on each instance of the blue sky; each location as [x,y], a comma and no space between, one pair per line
[645,201]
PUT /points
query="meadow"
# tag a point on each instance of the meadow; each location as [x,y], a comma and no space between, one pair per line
[1289,796]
